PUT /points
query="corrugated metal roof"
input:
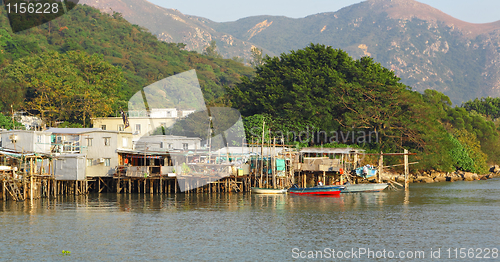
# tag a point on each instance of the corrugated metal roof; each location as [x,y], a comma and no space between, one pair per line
[56,130]
[324,150]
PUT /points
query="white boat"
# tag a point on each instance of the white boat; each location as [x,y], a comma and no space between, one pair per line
[358,188]
[258,190]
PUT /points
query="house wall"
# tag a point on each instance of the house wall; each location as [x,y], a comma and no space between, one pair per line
[70,167]
[27,141]
[162,143]
[147,125]
[98,150]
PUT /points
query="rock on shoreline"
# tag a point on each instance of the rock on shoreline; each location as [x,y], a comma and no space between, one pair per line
[436,176]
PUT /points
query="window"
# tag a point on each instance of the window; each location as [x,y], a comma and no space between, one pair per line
[89,141]
[89,161]
[121,128]
[103,127]
[107,141]
[185,146]
[138,127]
[39,139]
[170,146]
[161,144]
[107,161]
[125,142]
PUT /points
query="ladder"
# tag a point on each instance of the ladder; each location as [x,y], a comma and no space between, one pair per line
[234,186]
[13,189]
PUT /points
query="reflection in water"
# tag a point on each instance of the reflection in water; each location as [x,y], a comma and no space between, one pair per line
[252,227]
[407,197]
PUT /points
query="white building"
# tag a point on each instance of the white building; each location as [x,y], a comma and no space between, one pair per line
[140,122]
[27,141]
[99,146]
[164,143]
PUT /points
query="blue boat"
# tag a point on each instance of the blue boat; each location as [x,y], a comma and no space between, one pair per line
[316,190]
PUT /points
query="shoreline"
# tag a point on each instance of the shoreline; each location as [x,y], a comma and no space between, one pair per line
[436,176]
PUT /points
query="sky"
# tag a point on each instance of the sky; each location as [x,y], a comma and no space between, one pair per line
[473,11]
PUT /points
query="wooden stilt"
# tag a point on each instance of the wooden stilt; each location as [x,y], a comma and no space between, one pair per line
[380,166]
[3,192]
[406,169]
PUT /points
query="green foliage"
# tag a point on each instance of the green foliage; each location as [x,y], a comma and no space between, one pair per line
[194,125]
[486,106]
[70,125]
[185,169]
[142,58]
[322,89]
[211,50]
[63,87]
[472,148]
[460,156]
[6,123]
[257,57]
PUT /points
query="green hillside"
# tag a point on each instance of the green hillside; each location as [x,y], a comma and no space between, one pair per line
[141,58]
[321,96]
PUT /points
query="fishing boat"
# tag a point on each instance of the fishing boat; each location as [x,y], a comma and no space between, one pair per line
[358,188]
[316,190]
[259,190]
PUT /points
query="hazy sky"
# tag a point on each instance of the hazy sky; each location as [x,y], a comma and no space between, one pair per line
[474,11]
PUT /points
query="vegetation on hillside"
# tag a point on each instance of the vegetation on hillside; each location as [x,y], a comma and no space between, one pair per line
[322,92]
[140,59]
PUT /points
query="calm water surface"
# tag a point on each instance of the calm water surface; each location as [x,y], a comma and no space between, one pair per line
[245,227]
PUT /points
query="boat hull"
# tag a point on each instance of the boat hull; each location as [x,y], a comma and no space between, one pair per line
[317,190]
[257,190]
[359,188]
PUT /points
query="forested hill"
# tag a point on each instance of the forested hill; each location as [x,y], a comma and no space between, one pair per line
[142,58]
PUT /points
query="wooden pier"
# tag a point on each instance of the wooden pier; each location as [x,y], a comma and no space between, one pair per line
[31,176]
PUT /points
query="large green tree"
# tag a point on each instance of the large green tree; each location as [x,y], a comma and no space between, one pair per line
[321,88]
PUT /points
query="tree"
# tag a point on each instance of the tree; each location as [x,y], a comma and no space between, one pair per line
[257,57]
[7,123]
[319,88]
[325,89]
[211,50]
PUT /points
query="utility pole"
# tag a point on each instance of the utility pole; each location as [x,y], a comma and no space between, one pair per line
[12,111]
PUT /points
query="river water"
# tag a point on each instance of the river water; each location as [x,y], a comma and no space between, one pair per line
[430,222]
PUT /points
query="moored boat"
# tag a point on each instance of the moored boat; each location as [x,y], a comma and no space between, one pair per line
[259,190]
[316,190]
[358,188]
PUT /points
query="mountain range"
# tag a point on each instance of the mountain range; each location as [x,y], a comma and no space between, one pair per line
[425,47]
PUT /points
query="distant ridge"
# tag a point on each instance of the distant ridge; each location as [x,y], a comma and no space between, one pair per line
[424,46]
[408,9]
